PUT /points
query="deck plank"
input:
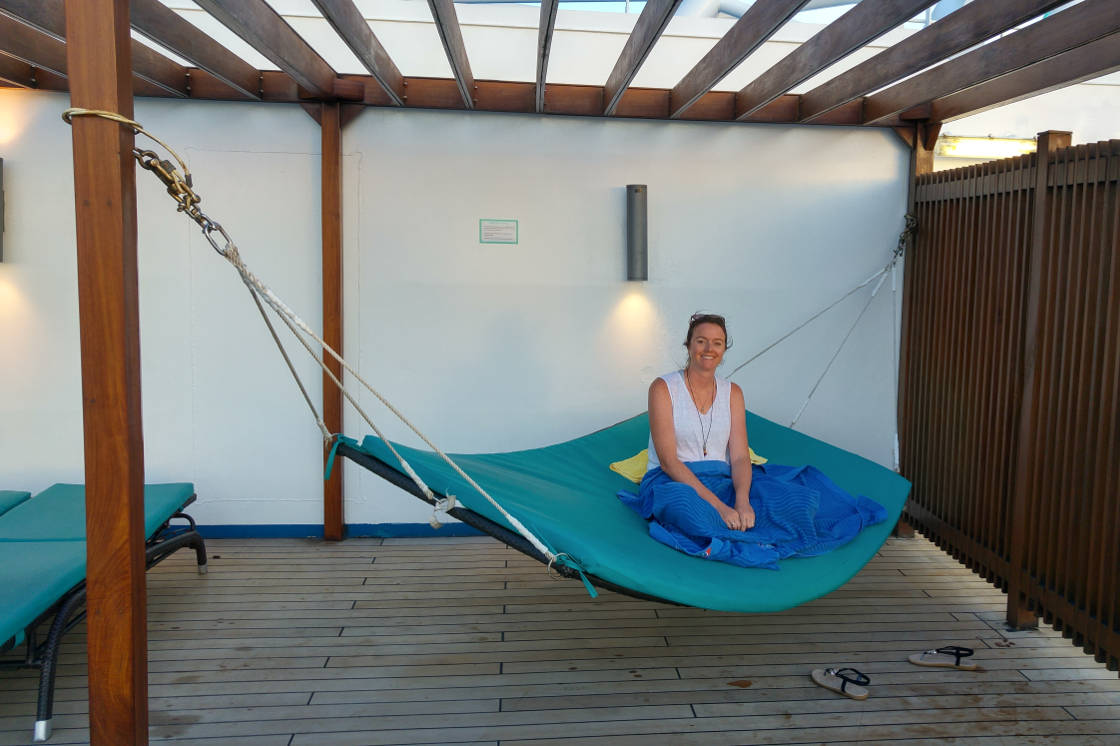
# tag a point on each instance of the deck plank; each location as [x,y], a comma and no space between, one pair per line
[460,640]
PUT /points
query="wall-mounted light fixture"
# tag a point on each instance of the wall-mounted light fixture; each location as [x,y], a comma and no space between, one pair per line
[636,243]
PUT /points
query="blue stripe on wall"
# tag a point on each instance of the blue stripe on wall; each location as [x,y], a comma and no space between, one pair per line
[314,530]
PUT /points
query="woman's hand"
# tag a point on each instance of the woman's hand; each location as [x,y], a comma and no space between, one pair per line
[731,517]
[745,512]
[746,516]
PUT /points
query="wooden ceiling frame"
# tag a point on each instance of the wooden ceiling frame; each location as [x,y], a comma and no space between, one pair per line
[17,72]
[866,21]
[352,27]
[974,81]
[31,46]
[546,26]
[753,28]
[167,28]
[647,30]
[1061,32]
[49,17]
[447,24]
[267,32]
[1092,60]
[956,32]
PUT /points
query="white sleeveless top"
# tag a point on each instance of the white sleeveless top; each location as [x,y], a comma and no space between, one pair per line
[691,426]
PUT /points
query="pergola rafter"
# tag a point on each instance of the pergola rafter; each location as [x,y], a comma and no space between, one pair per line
[165,27]
[263,29]
[49,18]
[1092,60]
[1061,32]
[348,22]
[647,30]
[447,23]
[863,23]
[749,33]
[17,72]
[544,46]
[956,32]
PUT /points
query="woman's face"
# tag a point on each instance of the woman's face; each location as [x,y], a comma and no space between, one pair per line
[706,348]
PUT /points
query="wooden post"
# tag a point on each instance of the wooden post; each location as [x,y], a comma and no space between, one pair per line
[921,163]
[1019,616]
[331,126]
[99,59]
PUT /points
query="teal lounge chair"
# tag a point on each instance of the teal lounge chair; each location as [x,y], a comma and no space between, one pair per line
[43,570]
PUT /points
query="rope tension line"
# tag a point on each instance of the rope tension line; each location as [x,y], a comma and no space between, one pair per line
[181,188]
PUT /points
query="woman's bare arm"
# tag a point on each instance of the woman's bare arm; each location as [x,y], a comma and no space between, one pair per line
[740,457]
[665,443]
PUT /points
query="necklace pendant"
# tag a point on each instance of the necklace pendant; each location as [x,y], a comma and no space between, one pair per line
[705,450]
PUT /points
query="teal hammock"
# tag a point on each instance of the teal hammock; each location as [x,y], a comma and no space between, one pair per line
[565,495]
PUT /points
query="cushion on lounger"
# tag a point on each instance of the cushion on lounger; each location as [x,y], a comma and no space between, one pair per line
[10,498]
[58,513]
[33,576]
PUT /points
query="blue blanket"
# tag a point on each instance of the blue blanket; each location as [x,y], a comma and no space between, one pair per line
[799,512]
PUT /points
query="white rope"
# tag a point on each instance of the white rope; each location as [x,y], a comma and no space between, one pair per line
[291,367]
[232,255]
[836,354]
[812,318]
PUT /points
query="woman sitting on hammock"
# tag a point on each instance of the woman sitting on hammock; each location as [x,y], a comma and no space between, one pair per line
[696,416]
[701,494]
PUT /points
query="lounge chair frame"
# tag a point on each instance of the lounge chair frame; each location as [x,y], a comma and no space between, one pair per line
[69,611]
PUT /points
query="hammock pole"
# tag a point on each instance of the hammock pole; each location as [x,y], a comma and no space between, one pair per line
[331,127]
[98,52]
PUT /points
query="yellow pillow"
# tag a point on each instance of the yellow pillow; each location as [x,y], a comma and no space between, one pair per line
[634,468]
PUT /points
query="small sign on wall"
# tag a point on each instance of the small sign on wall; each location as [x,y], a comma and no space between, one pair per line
[497,231]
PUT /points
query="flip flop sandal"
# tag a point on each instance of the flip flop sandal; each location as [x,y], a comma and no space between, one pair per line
[949,656]
[846,681]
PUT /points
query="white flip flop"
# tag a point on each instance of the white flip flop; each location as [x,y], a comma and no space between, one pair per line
[846,681]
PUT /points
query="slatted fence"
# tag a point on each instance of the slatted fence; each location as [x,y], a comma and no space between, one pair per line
[1010,419]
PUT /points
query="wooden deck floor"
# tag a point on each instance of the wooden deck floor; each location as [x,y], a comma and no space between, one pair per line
[463,641]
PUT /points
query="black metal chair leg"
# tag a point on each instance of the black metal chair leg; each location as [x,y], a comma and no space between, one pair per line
[50,664]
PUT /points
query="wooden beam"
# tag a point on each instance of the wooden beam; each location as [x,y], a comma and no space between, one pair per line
[1073,27]
[956,32]
[1092,60]
[17,72]
[349,23]
[263,29]
[1019,615]
[647,30]
[165,27]
[49,17]
[866,21]
[331,127]
[752,29]
[32,46]
[47,55]
[99,48]
[159,70]
[544,45]
[447,23]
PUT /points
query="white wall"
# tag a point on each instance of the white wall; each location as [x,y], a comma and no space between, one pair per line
[218,404]
[493,348]
[486,347]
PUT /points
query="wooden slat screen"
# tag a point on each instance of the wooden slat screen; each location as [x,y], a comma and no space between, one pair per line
[969,378]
